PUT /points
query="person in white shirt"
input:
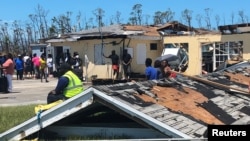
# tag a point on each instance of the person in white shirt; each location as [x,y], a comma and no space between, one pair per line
[50,64]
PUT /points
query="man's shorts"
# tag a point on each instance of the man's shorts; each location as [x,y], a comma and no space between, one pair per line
[115,67]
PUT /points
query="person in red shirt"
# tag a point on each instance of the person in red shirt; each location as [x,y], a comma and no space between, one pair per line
[168,73]
[36,62]
[8,67]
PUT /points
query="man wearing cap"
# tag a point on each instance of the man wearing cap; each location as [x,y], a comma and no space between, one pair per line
[68,85]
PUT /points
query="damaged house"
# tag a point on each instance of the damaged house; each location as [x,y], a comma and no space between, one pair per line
[157,109]
[207,49]
[169,109]
[140,41]
[177,109]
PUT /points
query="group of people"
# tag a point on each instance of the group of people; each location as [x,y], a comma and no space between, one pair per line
[160,70]
[24,65]
[74,61]
[33,66]
[126,63]
[70,77]
[70,84]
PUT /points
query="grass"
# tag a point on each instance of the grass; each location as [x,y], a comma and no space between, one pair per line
[15,115]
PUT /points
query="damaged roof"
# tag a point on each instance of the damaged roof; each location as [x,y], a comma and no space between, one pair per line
[112,31]
[176,108]
[187,105]
[235,28]
[177,28]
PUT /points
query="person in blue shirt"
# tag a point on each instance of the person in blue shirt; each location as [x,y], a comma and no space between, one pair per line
[150,72]
[19,64]
[2,60]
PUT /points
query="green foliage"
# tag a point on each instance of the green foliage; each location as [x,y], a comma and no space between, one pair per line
[15,115]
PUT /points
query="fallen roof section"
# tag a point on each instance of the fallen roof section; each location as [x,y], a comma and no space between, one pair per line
[180,108]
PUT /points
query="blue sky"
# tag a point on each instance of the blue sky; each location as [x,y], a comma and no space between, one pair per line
[20,9]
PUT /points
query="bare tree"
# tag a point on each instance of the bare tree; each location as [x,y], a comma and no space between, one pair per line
[111,20]
[132,20]
[217,20]
[224,19]
[33,19]
[5,37]
[53,30]
[158,18]
[232,18]
[41,17]
[136,15]
[29,37]
[90,23]
[85,23]
[18,38]
[208,17]
[118,17]
[63,22]
[187,16]
[78,20]
[199,19]
[247,19]
[99,14]
[146,19]
[242,16]
[168,15]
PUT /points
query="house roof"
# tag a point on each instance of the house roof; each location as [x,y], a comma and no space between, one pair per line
[145,30]
[235,28]
[173,24]
[179,108]
[112,31]
[139,32]
[176,28]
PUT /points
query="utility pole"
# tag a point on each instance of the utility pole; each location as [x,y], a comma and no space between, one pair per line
[100,30]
